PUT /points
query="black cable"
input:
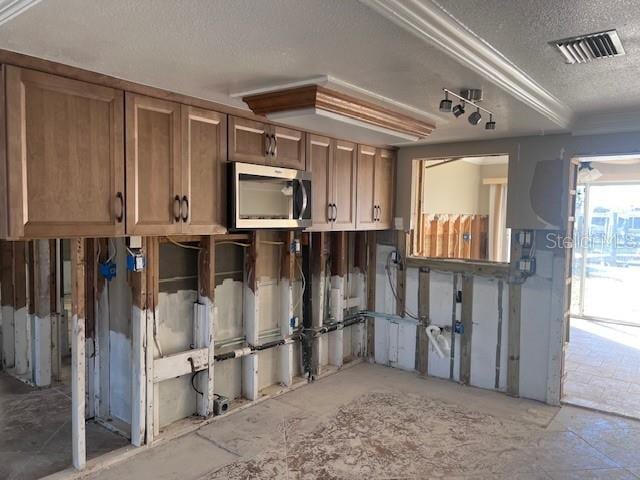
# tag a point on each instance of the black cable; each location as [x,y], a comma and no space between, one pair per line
[193,377]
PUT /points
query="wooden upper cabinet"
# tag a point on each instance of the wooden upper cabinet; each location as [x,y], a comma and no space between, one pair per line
[204,151]
[154,187]
[64,171]
[366,211]
[384,191]
[287,149]
[344,185]
[264,144]
[320,158]
[249,141]
[375,188]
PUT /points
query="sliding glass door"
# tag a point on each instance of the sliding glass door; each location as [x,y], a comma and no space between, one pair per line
[606,268]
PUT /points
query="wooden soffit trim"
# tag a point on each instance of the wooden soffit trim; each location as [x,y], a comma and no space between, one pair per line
[322,98]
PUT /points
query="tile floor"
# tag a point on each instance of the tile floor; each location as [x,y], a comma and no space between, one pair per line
[603,367]
[35,431]
[373,422]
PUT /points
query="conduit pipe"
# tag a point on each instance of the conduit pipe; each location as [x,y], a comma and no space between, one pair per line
[440,343]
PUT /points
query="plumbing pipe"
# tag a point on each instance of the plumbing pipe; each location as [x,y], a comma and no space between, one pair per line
[434,333]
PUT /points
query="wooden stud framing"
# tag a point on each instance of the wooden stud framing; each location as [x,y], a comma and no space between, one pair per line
[250,383]
[22,356]
[371,292]
[6,296]
[287,281]
[339,268]
[467,325]
[513,345]
[319,255]
[401,276]
[140,366]
[203,326]
[78,273]
[422,341]
[41,319]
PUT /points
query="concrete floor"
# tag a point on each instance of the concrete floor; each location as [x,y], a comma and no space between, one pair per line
[370,422]
[35,431]
[603,367]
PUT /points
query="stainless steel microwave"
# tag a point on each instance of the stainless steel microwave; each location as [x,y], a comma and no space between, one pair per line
[268,197]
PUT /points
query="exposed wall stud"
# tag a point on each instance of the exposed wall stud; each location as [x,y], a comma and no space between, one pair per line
[467,325]
[422,341]
[78,273]
[251,318]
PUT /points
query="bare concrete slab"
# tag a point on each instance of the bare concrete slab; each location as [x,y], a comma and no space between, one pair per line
[371,422]
[35,431]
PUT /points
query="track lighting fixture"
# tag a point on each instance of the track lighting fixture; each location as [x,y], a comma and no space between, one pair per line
[475,117]
[458,109]
[445,105]
[490,125]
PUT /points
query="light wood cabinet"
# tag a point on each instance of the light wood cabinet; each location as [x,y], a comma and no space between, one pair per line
[375,189]
[248,141]
[175,156]
[204,151]
[384,188]
[366,210]
[344,185]
[264,144]
[333,166]
[153,166]
[320,158]
[64,172]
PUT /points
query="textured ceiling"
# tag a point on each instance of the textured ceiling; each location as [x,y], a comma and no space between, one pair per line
[522,30]
[212,48]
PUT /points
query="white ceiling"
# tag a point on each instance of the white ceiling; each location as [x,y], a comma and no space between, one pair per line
[214,48]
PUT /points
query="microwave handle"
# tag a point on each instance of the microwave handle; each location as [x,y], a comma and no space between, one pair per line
[305,199]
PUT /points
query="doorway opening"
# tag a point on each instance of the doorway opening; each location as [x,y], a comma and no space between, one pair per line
[602,361]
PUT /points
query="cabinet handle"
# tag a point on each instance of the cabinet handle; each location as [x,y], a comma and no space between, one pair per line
[120,198]
[335,215]
[185,202]
[376,213]
[176,208]
[274,150]
[329,211]
[267,144]
[379,212]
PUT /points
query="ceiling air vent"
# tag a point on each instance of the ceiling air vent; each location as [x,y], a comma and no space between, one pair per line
[585,48]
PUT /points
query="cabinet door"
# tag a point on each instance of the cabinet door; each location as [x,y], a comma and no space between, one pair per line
[344,192]
[384,182]
[204,151]
[65,157]
[365,212]
[289,149]
[153,166]
[320,155]
[248,141]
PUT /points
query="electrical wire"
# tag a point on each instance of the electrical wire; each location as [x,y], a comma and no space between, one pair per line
[304,286]
[115,251]
[182,245]
[231,242]
[393,290]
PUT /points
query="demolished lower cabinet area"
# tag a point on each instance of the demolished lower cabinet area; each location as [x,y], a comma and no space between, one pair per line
[332,164]
[64,169]
[175,161]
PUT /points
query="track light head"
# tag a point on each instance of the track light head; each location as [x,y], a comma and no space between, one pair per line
[458,109]
[475,117]
[445,105]
[490,125]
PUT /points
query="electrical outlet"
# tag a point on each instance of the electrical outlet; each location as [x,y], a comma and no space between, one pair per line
[525,238]
[527,265]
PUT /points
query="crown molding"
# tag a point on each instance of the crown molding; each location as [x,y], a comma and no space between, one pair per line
[12,8]
[433,24]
